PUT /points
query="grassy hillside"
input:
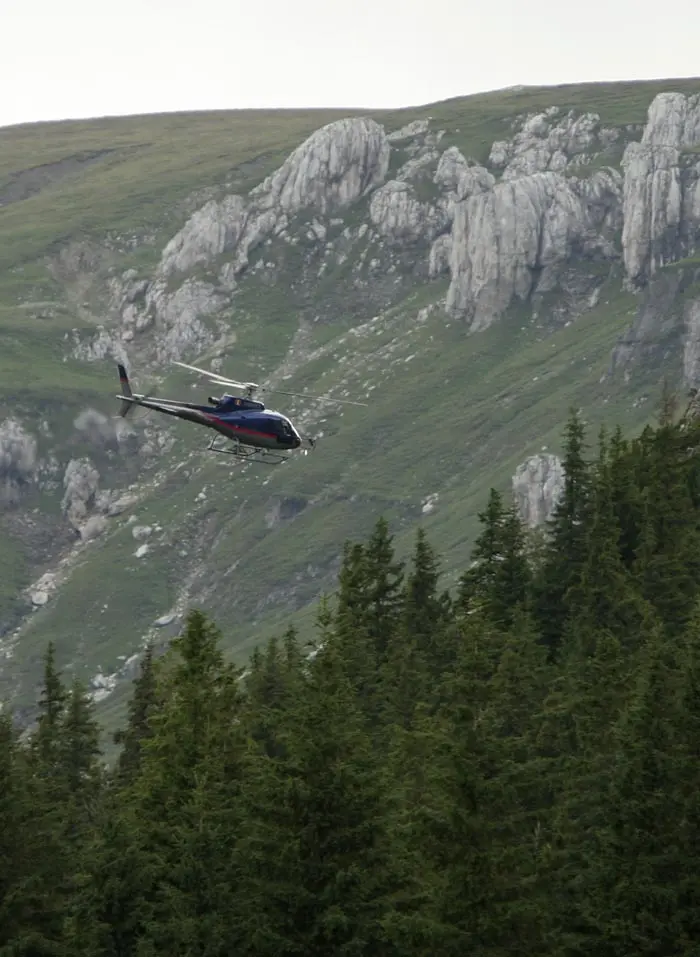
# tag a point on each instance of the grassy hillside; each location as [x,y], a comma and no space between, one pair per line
[448,415]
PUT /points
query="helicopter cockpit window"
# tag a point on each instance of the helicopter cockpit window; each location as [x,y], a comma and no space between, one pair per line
[229,403]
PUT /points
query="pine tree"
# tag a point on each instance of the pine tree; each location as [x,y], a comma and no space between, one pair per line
[80,747]
[625,491]
[451,803]
[161,878]
[688,785]
[476,584]
[419,648]
[632,899]
[498,581]
[668,558]
[351,627]
[566,552]
[384,578]
[44,896]
[13,872]
[142,705]
[271,685]
[313,860]
[52,704]
[604,598]
[186,793]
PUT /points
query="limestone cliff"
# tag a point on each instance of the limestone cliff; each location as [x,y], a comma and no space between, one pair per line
[355,267]
[662,187]
[537,485]
[554,195]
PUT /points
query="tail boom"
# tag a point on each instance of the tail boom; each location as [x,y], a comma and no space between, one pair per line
[127,396]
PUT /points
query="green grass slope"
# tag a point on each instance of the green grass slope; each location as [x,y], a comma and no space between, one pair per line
[448,414]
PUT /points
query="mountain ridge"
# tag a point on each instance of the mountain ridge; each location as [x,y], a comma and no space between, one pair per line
[338,277]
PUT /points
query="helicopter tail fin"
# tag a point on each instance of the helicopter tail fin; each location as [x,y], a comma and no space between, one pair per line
[128,401]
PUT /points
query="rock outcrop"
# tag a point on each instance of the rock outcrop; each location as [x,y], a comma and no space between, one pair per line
[549,141]
[210,232]
[691,345]
[18,460]
[332,169]
[80,481]
[501,231]
[537,485]
[507,238]
[662,187]
[399,215]
[97,428]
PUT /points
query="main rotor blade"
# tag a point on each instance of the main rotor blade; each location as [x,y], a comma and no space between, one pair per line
[215,377]
[305,395]
[222,380]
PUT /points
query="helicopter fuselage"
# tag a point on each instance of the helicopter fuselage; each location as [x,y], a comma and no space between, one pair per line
[254,432]
[239,419]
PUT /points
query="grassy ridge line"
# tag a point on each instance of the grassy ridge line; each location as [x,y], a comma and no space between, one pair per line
[154,162]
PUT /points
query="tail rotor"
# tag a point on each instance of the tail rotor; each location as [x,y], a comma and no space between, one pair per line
[126,407]
[129,400]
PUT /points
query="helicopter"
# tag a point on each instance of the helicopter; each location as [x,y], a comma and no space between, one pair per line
[255,433]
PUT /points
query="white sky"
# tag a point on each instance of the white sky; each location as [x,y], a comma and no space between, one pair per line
[86,58]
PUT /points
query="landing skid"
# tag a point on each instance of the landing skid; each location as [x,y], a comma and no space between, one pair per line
[249,454]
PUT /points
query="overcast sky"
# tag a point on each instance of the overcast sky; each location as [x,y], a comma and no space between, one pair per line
[85,58]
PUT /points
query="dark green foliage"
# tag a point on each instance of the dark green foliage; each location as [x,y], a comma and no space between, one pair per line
[567,550]
[314,860]
[141,706]
[510,772]
[499,579]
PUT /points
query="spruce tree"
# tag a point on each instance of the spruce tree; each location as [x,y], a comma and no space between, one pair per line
[633,897]
[668,560]
[14,871]
[384,578]
[419,650]
[49,848]
[313,861]
[142,705]
[604,598]
[161,878]
[476,584]
[566,550]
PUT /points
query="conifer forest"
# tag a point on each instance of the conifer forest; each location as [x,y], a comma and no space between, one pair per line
[509,768]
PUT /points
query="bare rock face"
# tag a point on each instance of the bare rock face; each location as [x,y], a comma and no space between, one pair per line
[537,485]
[80,481]
[450,168]
[179,317]
[662,187]
[502,233]
[440,256]
[691,346]
[398,215]
[18,460]
[333,168]
[548,141]
[213,230]
[504,237]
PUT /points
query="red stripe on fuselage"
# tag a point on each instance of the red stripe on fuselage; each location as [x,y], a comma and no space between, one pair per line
[239,428]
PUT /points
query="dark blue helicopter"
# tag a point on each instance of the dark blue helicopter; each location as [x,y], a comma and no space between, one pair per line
[257,434]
